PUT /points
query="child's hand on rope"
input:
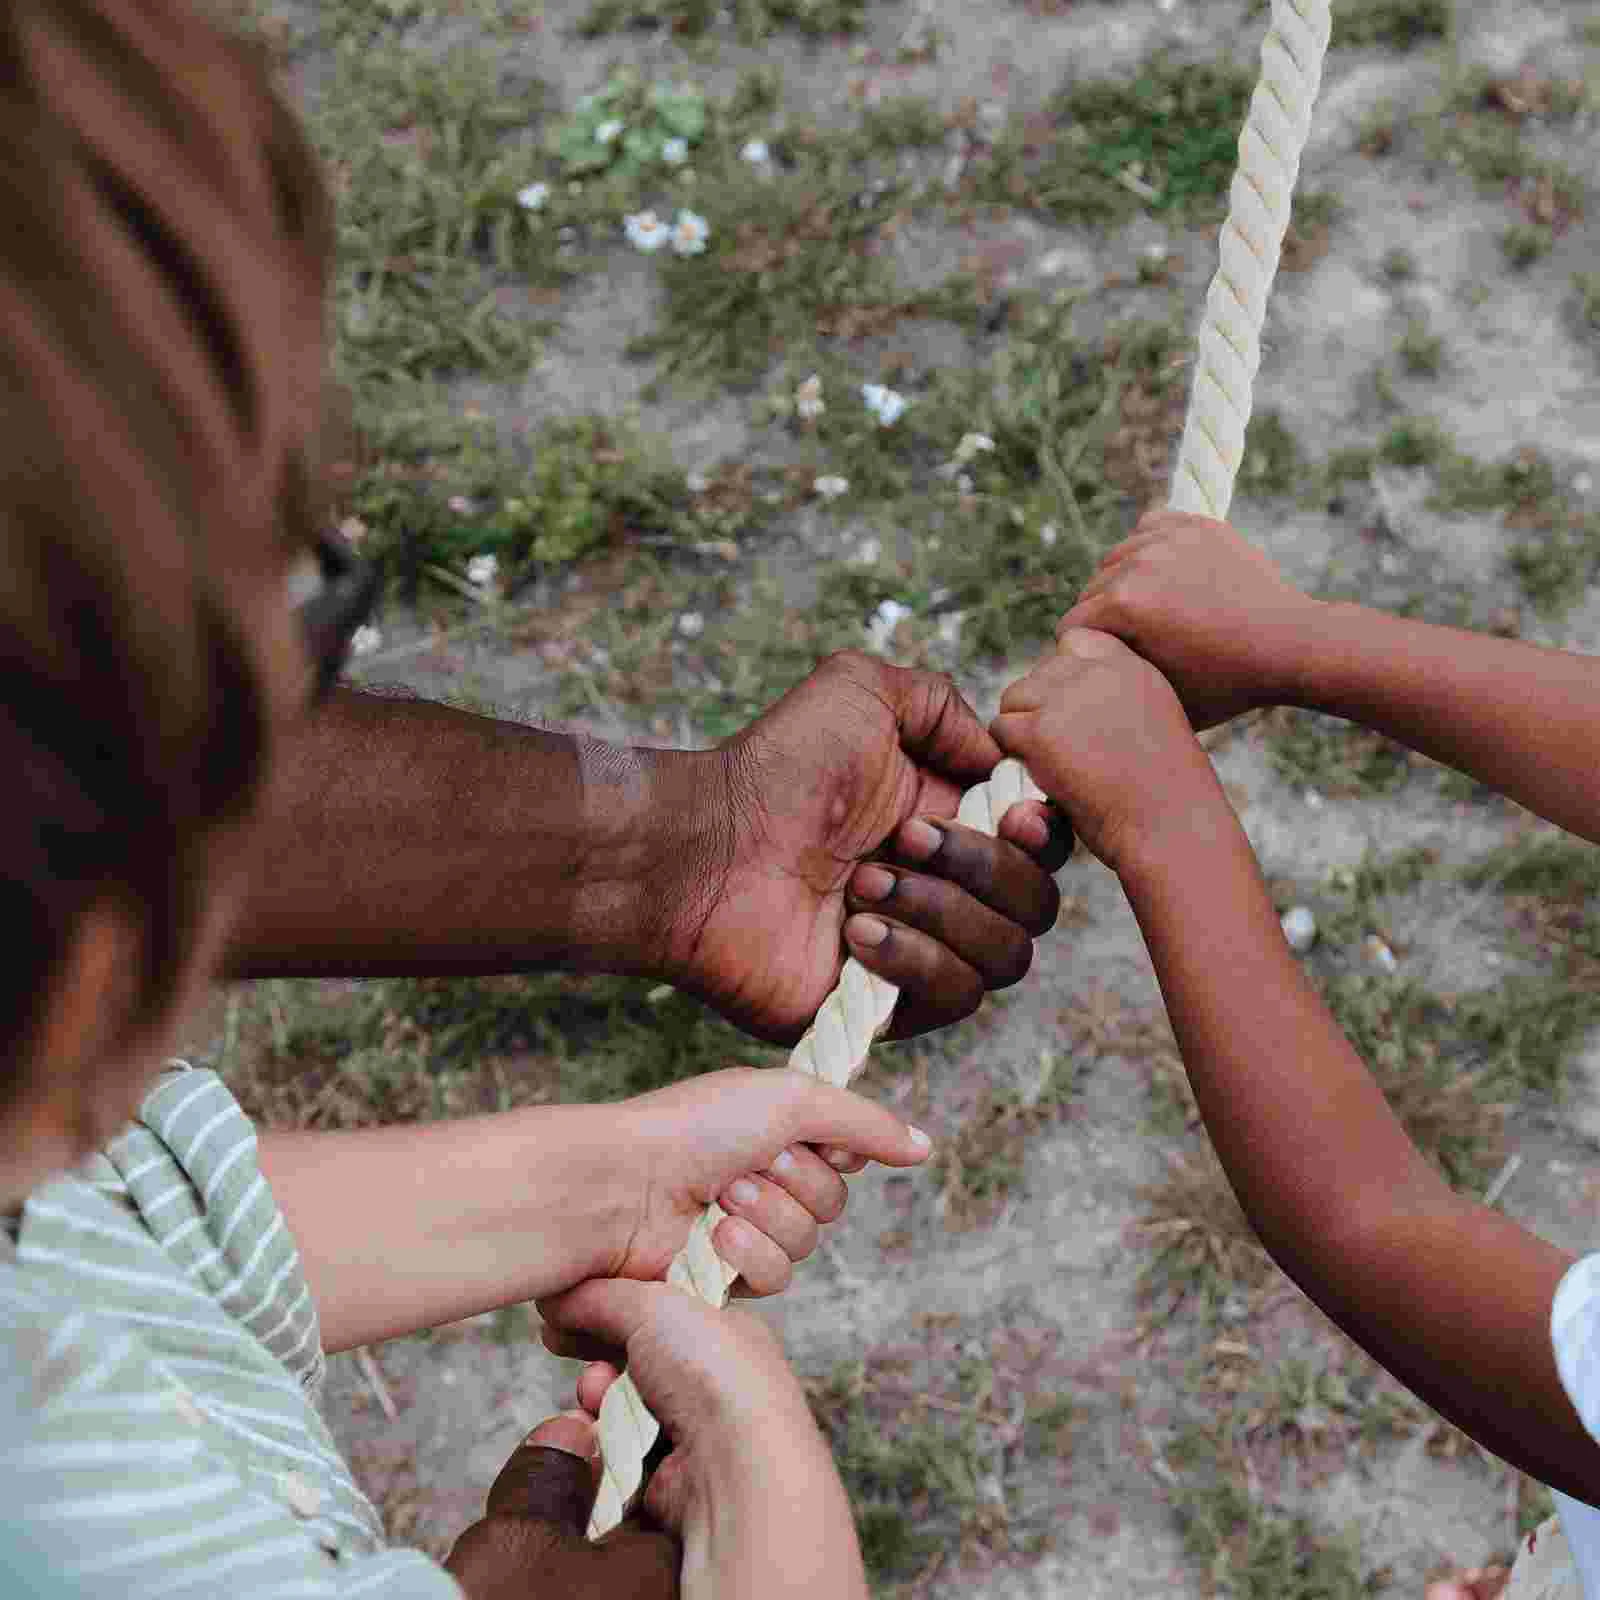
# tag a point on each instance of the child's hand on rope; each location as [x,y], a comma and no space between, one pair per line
[749,1485]
[1219,619]
[1104,735]
[743,1138]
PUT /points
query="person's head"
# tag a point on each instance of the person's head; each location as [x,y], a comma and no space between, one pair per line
[165,419]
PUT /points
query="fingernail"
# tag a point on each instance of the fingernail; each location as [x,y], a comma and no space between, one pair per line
[920,839]
[919,1137]
[873,883]
[1034,830]
[838,1158]
[743,1193]
[866,930]
[783,1162]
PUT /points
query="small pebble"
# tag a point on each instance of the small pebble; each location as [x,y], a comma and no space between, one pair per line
[1299,928]
[691,624]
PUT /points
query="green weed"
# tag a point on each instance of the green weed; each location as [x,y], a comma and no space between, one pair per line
[1397,24]
[1399,265]
[1248,1549]
[1273,463]
[1586,286]
[1167,140]
[754,20]
[1421,351]
[628,127]
[1526,242]
[1333,757]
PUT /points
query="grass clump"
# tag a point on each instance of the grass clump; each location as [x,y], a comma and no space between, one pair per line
[629,127]
[304,1053]
[1396,24]
[1421,351]
[1248,1548]
[1586,286]
[1399,265]
[1166,140]
[1523,243]
[1273,463]
[754,20]
[1333,757]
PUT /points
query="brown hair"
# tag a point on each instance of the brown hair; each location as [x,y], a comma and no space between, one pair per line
[167,242]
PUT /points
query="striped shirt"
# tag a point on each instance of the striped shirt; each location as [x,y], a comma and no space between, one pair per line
[159,1363]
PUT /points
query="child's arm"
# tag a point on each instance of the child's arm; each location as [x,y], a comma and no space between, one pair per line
[407,1227]
[1453,1298]
[1222,624]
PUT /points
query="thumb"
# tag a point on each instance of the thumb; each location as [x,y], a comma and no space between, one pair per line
[552,1476]
[823,1114]
[937,727]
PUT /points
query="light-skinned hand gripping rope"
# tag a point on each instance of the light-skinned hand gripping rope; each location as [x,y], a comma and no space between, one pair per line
[858,1009]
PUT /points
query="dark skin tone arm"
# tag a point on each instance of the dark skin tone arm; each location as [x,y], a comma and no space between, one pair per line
[409,837]
[1449,1295]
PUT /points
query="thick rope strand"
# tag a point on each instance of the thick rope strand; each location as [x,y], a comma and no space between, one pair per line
[1251,242]
[856,1012]
[834,1049]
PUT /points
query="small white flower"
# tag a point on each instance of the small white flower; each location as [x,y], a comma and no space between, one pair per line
[353,530]
[697,483]
[689,233]
[646,231]
[365,640]
[460,505]
[867,553]
[1048,534]
[691,624]
[483,570]
[830,487]
[533,197]
[756,153]
[808,398]
[675,152]
[607,132]
[1299,928]
[885,404]
[889,615]
[971,444]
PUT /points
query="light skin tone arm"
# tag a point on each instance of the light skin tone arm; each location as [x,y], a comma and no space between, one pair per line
[407,1227]
[1452,1297]
[1230,633]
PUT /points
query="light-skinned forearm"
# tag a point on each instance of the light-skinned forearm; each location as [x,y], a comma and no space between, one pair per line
[403,836]
[780,1527]
[408,1227]
[1453,1298]
[1517,717]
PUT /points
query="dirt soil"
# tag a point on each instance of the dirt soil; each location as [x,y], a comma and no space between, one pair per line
[1054,1271]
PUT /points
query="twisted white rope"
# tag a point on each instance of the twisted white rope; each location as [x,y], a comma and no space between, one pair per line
[858,1009]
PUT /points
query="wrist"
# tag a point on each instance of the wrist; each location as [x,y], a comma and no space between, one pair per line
[1201,826]
[1308,666]
[658,830]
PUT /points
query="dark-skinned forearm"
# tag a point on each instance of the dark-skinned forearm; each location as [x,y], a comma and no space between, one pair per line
[1517,717]
[1453,1298]
[403,836]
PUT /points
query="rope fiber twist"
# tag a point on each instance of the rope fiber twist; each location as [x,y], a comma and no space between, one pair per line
[1251,242]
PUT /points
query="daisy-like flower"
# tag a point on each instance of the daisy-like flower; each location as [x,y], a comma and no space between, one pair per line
[885,404]
[646,231]
[830,487]
[675,152]
[608,131]
[808,401]
[889,615]
[689,233]
[483,570]
[756,153]
[972,444]
[365,640]
[533,197]
[1048,534]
